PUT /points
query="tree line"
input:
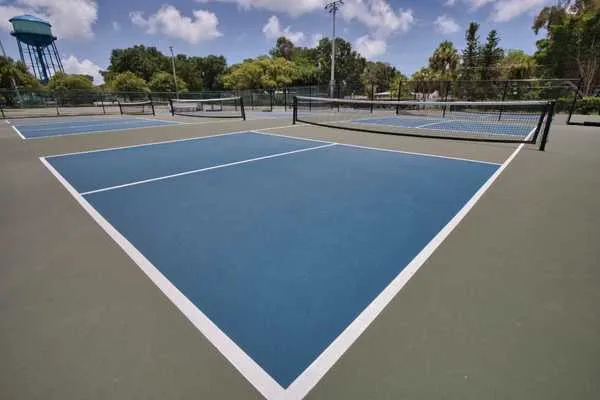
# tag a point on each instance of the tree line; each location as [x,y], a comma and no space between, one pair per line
[570,48]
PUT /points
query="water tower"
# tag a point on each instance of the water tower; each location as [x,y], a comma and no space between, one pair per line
[37,46]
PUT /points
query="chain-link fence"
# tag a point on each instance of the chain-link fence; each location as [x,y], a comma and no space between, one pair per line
[24,103]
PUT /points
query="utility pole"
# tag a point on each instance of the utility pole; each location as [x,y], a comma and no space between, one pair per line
[174,74]
[332,8]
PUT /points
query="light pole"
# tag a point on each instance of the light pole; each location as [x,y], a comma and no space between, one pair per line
[174,74]
[332,8]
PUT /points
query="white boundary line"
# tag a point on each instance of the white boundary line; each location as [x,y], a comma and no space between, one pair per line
[382,149]
[428,124]
[162,125]
[262,381]
[196,171]
[313,374]
[234,354]
[103,124]
[18,132]
[162,142]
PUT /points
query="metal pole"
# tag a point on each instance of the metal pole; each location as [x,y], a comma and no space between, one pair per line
[332,9]
[174,74]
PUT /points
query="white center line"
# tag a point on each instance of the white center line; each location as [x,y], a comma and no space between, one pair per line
[161,178]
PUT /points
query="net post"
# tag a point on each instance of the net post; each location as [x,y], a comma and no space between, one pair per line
[242,108]
[295,111]
[152,106]
[544,140]
[171,107]
[574,103]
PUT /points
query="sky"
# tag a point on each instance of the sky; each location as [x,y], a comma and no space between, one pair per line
[401,32]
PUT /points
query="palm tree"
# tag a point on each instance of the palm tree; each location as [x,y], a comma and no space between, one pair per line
[444,61]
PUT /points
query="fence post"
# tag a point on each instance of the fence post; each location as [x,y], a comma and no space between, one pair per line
[506,83]
[372,96]
[101,94]
[309,98]
[56,102]
[448,84]
[285,99]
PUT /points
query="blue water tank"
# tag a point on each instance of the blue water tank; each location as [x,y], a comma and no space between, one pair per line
[32,30]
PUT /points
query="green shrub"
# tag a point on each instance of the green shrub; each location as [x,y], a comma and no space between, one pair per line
[585,106]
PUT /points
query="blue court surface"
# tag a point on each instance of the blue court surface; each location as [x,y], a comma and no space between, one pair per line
[489,127]
[44,128]
[272,246]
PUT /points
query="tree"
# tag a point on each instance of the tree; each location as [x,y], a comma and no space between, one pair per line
[65,82]
[516,64]
[15,74]
[379,74]
[211,69]
[349,65]
[284,48]
[263,72]
[572,43]
[15,71]
[140,60]
[163,82]
[128,82]
[490,57]
[400,82]
[470,54]
[444,61]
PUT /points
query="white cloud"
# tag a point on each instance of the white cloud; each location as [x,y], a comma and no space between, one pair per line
[446,25]
[370,47]
[505,10]
[116,26]
[70,19]
[378,15]
[291,7]
[475,4]
[168,20]
[272,30]
[86,67]
[315,39]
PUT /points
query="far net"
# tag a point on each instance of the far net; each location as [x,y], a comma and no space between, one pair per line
[230,107]
[137,108]
[517,121]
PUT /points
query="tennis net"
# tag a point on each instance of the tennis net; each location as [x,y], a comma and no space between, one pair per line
[137,108]
[517,121]
[229,107]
